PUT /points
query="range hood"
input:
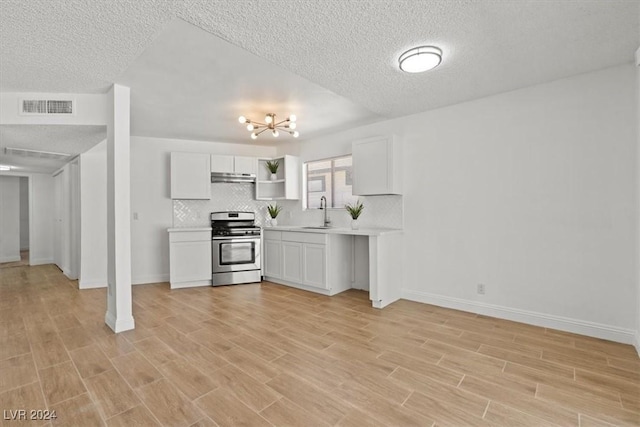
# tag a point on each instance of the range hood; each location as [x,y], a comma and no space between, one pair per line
[233,177]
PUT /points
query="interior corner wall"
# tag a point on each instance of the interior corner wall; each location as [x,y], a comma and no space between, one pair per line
[24,213]
[9,219]
[531,193]
[41,199]
[93,217]
[151,201]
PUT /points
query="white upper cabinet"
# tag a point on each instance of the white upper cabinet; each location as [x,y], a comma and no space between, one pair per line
[222,164]
[247,165]
[190,176]
[233,164]
[377,166]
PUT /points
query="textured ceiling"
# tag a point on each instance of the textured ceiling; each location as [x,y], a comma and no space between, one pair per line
[67,139]
[189,84]
[347,47]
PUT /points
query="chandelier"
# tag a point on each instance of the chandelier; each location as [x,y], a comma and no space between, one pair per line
[256,128]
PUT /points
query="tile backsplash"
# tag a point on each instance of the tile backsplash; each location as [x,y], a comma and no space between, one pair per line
[379,211]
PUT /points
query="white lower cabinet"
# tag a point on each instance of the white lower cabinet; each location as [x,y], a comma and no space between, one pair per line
[272,255]
[292,261]
[313,261]
[189,258]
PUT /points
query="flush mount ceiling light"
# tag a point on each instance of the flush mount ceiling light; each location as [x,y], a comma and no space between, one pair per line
[419,59]
[4,168]
[256,128]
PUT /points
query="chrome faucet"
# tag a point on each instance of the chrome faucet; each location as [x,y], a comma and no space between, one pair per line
[323,205]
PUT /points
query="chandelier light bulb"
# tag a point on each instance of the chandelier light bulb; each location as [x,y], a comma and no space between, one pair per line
[293,118]
[292,125]
[250,127]
[242,119]
[275,133]
[296,134]
[254,135]
[268,118]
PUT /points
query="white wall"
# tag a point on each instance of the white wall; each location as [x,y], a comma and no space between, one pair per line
[90,109]
[531,193]
[24,213]
[9,219]
[93,217]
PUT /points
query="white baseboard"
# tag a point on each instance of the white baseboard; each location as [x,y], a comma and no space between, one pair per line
[92,283]
[41,261]
[196,284]
[120,324]
[592,329]
[102,283]
[159,278]
[10,258]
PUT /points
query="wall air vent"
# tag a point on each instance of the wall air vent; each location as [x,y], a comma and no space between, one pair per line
[36,154]
[46,107]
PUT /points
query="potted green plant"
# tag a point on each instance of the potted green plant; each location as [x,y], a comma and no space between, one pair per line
[355,211]
[273,166]
[274,210]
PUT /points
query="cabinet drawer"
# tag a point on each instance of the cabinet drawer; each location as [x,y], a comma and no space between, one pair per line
[293,236]
[189,236]
[296,236]
[272,235]
[319,238]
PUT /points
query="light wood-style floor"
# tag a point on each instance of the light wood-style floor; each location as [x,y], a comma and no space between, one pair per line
[24,261]
[270,355]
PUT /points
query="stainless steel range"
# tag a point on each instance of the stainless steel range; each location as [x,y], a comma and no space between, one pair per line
[235,241]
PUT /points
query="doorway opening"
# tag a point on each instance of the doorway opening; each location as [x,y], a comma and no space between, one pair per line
[14,221]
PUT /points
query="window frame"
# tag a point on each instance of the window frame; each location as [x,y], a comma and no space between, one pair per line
[305,181]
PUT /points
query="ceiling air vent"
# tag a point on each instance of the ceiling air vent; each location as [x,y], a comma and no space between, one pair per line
[36,154]
[46,106]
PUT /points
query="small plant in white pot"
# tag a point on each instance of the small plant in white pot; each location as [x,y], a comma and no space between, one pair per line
[274,210]
[355,211]
[273,166]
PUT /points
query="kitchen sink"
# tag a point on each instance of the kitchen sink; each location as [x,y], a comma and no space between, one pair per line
[320,227]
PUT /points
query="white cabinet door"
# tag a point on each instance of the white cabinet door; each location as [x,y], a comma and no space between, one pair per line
[222,164]
[315,265]
[190,261]
[247,165]
[376,166]
[292,173]
[190,176]
[292,261]
[272,259]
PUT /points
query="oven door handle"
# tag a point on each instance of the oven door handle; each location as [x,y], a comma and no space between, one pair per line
[230,238]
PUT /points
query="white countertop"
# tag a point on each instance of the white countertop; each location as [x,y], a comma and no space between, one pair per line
[179,229]
[336,230]
[301,228]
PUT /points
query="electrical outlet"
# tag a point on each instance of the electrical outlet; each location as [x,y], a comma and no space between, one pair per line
[481,288]
[135,216]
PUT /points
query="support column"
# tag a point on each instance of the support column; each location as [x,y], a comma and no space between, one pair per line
[119,315]
[637,339]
